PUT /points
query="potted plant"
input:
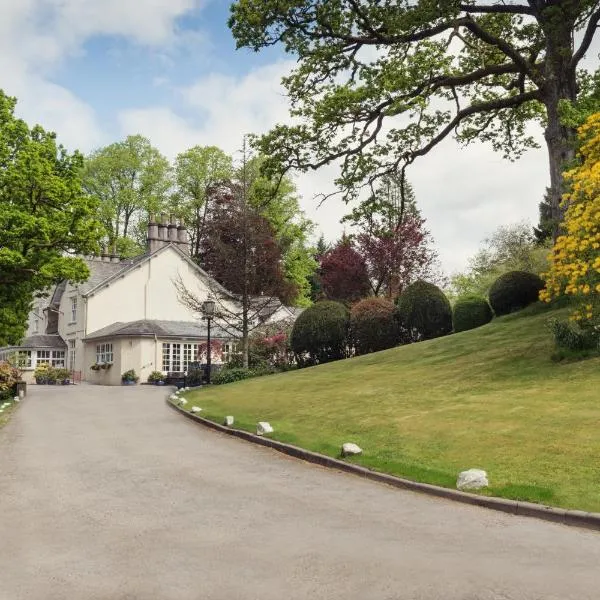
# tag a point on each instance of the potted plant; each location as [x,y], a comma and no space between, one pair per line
[41,374]
[156,378]
[63,376]
[105,365]
[52,376]
[129,378]
[95,367]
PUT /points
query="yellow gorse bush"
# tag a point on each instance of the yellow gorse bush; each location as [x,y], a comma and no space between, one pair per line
[575,257]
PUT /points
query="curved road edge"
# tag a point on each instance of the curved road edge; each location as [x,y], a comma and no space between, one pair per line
[573,518]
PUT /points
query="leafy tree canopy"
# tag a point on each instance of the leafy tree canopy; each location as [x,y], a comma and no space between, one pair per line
[380,83]
[509,248]
[196,171]
[45,218]
[129,179]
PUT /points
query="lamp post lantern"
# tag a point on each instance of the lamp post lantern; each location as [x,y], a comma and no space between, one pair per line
[208,310]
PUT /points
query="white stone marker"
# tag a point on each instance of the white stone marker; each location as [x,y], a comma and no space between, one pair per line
[196,409]
[229,421]
[473,479]
[263,427]
[351,449]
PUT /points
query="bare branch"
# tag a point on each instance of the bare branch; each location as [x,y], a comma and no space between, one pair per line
[587,38]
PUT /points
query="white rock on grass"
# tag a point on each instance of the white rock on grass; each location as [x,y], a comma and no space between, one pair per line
[229,421]
[196,409]
[174,397]
[351,449]
[263,427]
[182,401]
[473,479]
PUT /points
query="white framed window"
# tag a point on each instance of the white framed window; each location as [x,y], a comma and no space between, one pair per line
[188,355]
[43,357]
[229,349]
[36,326]
[166,358]
[176,358]
[23,359]
[58,359]
[104,353]
[74,309]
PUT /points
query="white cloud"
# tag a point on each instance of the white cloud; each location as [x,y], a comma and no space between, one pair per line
[36,36]
[464,193]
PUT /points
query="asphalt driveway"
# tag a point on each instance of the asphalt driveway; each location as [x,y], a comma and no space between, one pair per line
[107,494]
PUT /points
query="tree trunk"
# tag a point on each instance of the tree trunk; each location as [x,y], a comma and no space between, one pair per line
[245,349]
[560,84]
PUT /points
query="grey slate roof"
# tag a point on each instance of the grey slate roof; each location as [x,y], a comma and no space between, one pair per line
[43,341]
[103,271]
[158,328]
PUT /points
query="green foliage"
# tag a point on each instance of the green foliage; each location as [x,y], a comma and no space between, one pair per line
[155,377]
[373,325]
[378,84]
[514,290]
[130,376]
[470,312]
[320,333]
[424,311]
[45,218]
[509,248]
[9,376]
[572,340]
[196,171]
[231,375]
[128,180]
[278,202]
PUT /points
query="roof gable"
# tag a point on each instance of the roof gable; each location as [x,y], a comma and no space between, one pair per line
[104,273]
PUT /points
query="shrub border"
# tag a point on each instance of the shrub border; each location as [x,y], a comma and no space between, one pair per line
[573,518]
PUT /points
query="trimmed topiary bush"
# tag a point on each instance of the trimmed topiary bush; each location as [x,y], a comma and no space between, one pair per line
[514,290]
[424,312]
[471,312]
[373,325]
[320,333]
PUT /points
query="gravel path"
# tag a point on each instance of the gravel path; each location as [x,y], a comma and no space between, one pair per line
[107,494]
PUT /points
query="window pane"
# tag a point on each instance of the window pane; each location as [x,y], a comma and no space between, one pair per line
[176,364]
[166,358]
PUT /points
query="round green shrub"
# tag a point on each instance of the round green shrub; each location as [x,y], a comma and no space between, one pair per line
[471,312]
[424,312]
[373,325]
[514,290]
[320,333]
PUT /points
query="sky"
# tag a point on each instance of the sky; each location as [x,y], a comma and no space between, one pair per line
[96,71]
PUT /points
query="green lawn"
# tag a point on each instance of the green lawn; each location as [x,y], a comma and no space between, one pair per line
[6,412]
[489,398]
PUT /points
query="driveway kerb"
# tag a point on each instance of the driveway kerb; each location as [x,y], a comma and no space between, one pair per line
[573,518]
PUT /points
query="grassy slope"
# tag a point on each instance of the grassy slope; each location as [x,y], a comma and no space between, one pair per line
[488,398]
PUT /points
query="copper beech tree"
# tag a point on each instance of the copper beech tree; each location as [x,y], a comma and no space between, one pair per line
[380,83]
[239,250]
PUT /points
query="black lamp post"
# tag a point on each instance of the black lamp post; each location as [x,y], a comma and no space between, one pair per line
[208,309]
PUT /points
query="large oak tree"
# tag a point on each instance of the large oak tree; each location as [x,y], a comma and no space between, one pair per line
[380,83]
